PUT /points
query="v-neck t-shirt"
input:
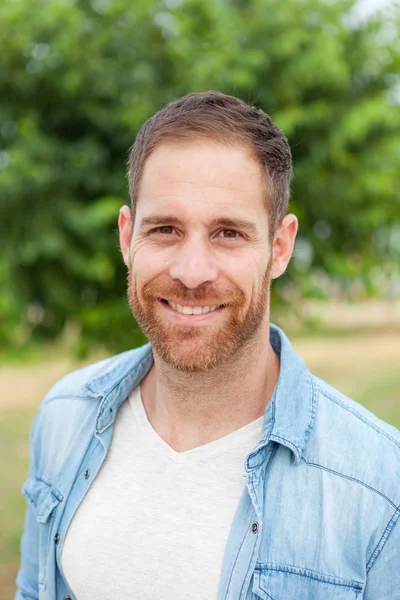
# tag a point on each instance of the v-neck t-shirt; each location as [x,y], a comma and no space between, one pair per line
[155,522]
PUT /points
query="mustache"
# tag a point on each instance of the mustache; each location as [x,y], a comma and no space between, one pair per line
[177,292]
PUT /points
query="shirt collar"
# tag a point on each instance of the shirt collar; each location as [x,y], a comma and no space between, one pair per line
[289,416]
[115,383]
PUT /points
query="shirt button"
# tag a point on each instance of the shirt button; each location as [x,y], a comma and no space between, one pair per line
[87,474]
[67,598]
[254,527]
[56,538]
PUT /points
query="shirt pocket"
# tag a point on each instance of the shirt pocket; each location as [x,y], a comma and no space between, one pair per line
[290,583]
[44,499]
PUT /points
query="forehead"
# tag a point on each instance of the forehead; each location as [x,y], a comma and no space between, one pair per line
[205,174]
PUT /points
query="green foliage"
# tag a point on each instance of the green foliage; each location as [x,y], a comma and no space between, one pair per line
[77,80]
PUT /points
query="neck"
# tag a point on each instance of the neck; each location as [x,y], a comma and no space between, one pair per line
[191,409]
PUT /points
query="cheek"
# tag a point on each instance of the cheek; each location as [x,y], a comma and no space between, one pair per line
[147,260]
[242,274]
[137,246]
[249,277]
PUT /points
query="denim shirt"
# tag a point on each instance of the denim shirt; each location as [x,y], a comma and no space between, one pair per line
[318,516]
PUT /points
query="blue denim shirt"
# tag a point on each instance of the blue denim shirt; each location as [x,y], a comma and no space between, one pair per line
[318,518]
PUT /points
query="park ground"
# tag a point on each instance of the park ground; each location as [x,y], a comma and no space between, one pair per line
[364,364]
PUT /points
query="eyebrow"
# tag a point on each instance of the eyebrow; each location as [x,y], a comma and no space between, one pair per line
[243,224]
[158,220]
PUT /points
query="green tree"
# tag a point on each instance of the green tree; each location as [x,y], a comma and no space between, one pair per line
[77,80]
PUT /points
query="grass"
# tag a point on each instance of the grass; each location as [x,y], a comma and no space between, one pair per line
[365,369]
[14,454]
[382,397]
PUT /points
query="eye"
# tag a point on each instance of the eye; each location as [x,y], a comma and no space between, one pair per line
[163,230]
[229,234]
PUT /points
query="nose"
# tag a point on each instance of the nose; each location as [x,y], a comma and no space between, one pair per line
[194,263]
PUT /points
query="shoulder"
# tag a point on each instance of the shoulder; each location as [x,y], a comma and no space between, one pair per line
[349,440]
[92,380]
[71,411]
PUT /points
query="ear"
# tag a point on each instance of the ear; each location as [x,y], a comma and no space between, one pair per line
[282,246]
[125,232]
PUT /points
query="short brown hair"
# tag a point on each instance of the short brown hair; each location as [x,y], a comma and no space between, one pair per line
[225,119]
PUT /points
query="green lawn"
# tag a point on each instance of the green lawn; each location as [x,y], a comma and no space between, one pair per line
[374,383]
[14,451]
[14,434]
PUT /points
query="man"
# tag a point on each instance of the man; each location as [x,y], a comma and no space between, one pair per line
[211,463]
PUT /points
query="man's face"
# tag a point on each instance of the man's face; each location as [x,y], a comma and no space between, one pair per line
[199,259]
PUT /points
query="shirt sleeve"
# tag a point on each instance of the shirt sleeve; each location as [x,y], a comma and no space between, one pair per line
[28,574]
[383,580]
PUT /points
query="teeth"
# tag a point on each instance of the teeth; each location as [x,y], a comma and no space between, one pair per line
[192,310]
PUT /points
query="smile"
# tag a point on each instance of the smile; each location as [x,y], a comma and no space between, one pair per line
[192,310]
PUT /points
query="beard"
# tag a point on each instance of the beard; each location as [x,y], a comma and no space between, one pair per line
[204,348]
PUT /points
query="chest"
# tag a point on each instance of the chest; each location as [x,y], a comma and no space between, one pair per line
[154,523]
[279,533]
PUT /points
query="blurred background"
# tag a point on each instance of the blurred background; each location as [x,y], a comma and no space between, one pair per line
[77,80]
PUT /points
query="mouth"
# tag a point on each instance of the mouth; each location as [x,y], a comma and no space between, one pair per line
[192,310]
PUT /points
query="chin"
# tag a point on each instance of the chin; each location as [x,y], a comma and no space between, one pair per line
[185,364]
[194,356]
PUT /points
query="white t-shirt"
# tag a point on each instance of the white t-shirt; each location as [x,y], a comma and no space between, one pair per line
[154,523]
